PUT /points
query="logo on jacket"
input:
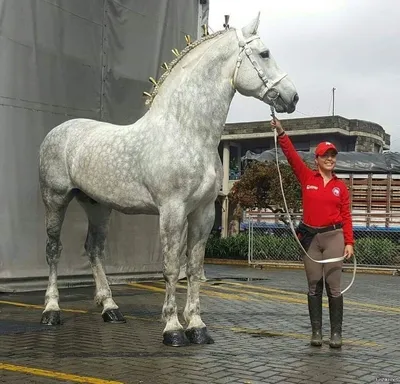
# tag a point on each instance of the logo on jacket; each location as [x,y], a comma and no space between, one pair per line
[311,186]
[336,191]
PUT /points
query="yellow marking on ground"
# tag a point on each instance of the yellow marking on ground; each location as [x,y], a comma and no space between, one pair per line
[288,299]
[55,374]
[142,318]
[265,289]
[260,294]
[147,287]
[206,292]
[263,332]
[378,308]
[226,296]
[17,304]
[34,306]
[285,297]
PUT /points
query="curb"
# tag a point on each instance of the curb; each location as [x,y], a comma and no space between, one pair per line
[271,265]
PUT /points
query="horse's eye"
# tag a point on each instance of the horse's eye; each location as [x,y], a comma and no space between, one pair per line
[265,54]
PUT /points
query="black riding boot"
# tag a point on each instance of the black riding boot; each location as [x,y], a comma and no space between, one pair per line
[315,311]
[336,318]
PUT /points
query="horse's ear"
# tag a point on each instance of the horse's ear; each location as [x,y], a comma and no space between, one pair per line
[251,28]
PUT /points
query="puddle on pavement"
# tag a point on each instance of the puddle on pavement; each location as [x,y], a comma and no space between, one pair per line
[264,335]
[220,281]
[260,334]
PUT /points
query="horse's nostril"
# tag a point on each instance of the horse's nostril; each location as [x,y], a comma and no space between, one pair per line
[296,98]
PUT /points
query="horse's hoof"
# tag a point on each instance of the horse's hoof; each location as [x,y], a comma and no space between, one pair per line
[175,338]
[199,336]
[113,316]
[51,318]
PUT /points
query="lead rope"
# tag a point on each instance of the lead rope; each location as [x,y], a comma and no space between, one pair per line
[290,219]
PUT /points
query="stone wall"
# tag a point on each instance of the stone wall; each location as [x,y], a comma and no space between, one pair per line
[309,123]
[368,127]
[367,144]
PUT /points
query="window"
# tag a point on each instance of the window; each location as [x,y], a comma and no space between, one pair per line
[259,150]
[377,148]
[303,146]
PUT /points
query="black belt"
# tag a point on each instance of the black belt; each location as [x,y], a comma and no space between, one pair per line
[306,233]
[316,230]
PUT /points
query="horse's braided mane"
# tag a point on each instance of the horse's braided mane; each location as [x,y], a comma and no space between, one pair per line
[172,64]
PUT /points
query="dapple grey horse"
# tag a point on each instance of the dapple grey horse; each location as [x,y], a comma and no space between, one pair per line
[164,164]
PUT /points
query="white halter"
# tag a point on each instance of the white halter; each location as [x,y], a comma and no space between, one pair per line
[269,84]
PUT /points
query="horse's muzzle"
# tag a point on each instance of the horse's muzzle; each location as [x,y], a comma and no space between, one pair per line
[292,106]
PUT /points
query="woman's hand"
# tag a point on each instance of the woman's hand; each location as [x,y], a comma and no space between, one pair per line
[348,251]
[276,124]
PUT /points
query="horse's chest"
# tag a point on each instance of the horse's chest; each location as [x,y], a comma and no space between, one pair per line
[208,185]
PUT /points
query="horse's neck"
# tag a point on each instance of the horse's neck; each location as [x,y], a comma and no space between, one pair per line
[198,91]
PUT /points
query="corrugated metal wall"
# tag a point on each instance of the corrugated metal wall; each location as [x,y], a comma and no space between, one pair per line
[61,59]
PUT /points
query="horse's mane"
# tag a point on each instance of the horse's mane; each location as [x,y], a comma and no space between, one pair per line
[169,67]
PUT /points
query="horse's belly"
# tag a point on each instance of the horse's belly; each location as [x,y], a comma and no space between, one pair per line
[128,198]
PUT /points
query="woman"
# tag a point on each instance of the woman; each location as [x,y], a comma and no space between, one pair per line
[326,232]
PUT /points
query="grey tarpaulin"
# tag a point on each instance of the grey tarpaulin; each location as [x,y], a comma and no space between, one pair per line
[61,59]
[351,162]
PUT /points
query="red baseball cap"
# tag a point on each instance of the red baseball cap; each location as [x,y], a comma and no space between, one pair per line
[323,147]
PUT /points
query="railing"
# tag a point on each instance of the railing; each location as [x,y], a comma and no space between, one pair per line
[270,239]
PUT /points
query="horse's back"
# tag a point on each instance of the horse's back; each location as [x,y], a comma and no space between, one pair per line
[94,157]
[64,130]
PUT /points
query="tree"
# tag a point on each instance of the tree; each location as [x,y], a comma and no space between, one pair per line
[259,187]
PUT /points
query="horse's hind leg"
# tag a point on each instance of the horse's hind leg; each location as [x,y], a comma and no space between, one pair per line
[200,224]
[99,218]
[55,207]
[172,233]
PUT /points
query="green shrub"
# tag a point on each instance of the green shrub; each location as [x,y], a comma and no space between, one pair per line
[265,247]
[372,251]
[275,248]
[368,250]
[235,247]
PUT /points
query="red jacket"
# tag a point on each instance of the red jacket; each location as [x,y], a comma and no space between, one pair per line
[322,206]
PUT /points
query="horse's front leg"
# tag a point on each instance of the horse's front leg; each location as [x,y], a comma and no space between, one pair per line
[172,225]
[200,224]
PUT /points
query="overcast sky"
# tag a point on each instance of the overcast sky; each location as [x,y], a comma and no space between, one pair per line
[352,45]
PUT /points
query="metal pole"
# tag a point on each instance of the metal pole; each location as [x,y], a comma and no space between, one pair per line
[333,101]
[225,188]
[249,239]
[226,24]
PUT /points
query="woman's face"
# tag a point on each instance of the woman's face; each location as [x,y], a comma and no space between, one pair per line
[327,161]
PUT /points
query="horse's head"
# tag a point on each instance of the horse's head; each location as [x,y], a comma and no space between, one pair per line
[257,73]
